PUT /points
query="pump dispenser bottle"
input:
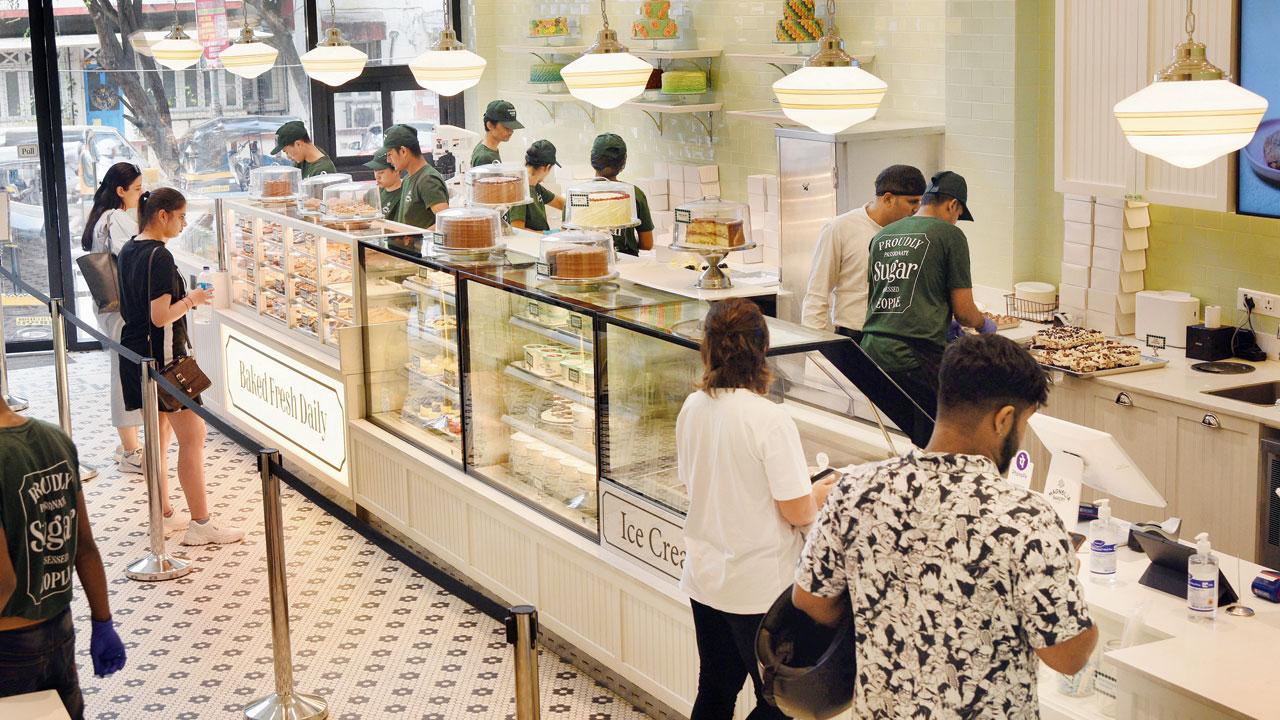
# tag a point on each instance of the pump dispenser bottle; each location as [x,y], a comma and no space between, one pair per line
[1202,582]
[1102,546]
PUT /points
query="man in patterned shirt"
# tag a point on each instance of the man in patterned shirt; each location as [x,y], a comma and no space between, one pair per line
[957,579]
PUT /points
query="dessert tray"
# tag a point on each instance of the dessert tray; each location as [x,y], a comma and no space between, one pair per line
[1084,353]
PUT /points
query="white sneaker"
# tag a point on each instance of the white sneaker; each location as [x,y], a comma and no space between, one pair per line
[210,533]
[130,462]
[175,522]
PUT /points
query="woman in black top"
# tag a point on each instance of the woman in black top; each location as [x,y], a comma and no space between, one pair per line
[154,303]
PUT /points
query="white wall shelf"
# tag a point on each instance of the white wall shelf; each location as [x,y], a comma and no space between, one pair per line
[777,117]
[549,101]
[782,62]
[657,111]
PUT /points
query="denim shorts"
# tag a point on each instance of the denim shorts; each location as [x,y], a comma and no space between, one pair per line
[42,657]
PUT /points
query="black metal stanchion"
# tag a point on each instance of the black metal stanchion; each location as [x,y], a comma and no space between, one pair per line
[87,472]
[522,634]
[158,564]
[284,703]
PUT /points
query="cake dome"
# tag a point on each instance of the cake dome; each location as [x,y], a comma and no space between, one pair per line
[275,183]
[600,204]
[577,257]
[352,201]
[712,224]
[470,230]
[313,190]
[498,185]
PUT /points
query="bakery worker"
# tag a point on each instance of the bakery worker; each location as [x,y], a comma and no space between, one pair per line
[609,158]
[500,124]
[837,294]
[293,139]
[423,193]
[918,272]
[538,161]
[389,182]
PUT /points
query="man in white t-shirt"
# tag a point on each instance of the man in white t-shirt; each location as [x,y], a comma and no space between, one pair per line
[837,294]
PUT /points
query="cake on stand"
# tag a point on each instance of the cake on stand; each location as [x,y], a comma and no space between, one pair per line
[468,234]
[712,228]
[596,209]
[577,259]
[498,186]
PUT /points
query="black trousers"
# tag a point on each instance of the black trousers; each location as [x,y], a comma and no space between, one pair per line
[921,385]
[726,658]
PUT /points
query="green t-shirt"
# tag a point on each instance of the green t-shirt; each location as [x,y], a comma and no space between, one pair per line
[323,166]
[39,489]
[390,201]
[482,155]
[627,240]
[534,214]
[419,192]
[913,266]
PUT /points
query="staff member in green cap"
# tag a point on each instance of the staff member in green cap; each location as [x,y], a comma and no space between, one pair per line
[538,161]
[293,139]
[609,158]
[389,183]
[424,193]
[918,270]
[499,124]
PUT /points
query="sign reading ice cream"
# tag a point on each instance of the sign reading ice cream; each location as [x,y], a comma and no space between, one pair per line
[300,410]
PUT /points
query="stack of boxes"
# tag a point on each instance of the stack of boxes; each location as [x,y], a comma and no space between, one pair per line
[1104,254]
[766,228]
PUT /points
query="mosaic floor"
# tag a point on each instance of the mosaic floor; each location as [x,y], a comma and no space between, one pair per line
[373,637]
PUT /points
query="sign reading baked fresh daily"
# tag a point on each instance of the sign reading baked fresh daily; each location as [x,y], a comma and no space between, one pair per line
[641,530]
[300,410]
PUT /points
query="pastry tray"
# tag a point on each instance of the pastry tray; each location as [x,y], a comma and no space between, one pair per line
[1146,363]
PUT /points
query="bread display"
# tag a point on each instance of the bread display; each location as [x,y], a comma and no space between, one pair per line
[715,232]
[497,189]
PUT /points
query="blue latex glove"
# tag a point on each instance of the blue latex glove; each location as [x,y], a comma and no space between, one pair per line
[988,327]
[955,331]
[106,649]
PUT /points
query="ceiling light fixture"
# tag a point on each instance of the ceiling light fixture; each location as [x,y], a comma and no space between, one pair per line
[606,75]
[177,51]
[333,61]
[248,57]
[448,67]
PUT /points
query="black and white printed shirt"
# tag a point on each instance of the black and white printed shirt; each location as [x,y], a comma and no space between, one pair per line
[955,578]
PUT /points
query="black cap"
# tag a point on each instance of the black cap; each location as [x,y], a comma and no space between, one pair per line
[952,185]
[501,111]
[288,134]
[541,153]
[379,161]
[608,150]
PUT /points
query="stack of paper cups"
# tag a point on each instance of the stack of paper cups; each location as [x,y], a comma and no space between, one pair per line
[1213,316]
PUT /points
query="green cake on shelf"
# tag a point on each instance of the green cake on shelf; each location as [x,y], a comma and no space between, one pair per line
[799,22]
[684,82]
[655,22]
[545,73]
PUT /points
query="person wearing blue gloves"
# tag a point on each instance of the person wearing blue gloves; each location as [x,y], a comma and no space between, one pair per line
[44,537]
[919,279]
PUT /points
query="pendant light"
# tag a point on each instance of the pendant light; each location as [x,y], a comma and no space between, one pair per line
[143,41]
[333,61]
[248,57]
[830,93]
[1191,114]
[448,67]
[606,75]
[177,51]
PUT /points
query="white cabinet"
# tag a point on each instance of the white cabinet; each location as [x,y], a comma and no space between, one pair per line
[1107,50]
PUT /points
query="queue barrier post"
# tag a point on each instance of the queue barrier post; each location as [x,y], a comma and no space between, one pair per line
[87,472]
[284,703]
[14,402]
[522,634]
[158,564]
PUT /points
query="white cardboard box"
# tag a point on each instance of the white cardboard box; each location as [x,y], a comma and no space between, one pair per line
[1112,303]
[756,185]
[1111,216]
[758,206]
[771,221]
[691,175]
[1074,254]
[659,203]
[1078,233]
[1136,239]
[710,189]
[771,238]
[1077,275]
[771,187]
[1105,259]
[1077,208]
[1075,315]
[1108,237]
[1109,324]
[1114,281]
[1072,295]
[709,173]
[752,256]
[772,257]
[661,169]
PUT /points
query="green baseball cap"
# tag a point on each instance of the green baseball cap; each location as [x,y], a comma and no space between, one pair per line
[379,161]
[290,133]
[953,185]
[541,153]
[399,136]
[608,150]
[501,111]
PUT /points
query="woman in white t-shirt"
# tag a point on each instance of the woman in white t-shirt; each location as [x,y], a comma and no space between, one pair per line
[111,223]
[750,497]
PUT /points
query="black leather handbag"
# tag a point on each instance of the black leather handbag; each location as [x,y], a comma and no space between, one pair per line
[102,275]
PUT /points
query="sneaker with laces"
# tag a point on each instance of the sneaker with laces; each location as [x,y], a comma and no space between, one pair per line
[175,522]
[210,533]
[129,461]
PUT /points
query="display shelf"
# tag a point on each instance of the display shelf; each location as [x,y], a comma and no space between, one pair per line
[777,117]
[782,61]
[560,444]
[657,111]
[551,386]
[540,50]
[695,54]
[435,293]
[561,336]
[425,339]
[578,512]
[427,379]
[549,101]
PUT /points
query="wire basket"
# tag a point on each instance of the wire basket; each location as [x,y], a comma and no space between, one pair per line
[1030,310]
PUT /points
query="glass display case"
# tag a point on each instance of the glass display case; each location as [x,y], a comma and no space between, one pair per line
[275,184]
[313,191]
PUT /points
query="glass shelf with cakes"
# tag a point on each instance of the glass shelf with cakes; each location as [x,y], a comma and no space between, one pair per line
[712,228]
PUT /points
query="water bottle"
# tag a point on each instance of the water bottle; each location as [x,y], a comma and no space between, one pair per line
[204,281]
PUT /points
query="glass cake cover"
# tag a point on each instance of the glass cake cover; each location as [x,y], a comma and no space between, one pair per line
[352,201]
[498,184]
[468,229]
[275,182]
[600,204]
[576,255]
[712,223]
[313,189]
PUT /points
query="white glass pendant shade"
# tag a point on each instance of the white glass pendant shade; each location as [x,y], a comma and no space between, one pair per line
[334,62]
[606,80]
[830,99]
[1190,123]
[447,72]
[177,51]
[248,59]
[143,41]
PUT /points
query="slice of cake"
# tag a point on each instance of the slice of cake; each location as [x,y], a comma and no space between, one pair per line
[799,22]
[655,22]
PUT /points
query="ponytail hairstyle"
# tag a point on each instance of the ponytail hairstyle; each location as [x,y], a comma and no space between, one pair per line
[735,339]
[151,203]
[119,176]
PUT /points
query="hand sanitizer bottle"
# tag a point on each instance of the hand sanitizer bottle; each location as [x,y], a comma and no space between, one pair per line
[1202,582]
[1102,546]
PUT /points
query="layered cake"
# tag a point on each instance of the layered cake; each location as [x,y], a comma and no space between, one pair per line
[465,232]
[799,22]
[549,27]
[583,262]
[715,232]
[545,73]
[277,188]
[684,82]
[655,22]
[497,189]
[603,209]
